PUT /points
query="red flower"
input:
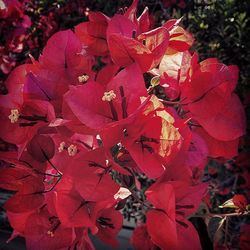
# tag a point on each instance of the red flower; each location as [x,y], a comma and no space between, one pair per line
[92,34]
[240,201]
[172,203]
[161,224]
[109,222]
[140,239]
[127,43]
[113,102]
[43,230]
[28,186]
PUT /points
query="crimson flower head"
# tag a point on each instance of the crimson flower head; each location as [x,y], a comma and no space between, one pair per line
[129,42]
[92,34]
[166,220]
[88,135]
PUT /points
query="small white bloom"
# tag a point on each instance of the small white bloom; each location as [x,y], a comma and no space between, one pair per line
[84,78]
[72,150]
[14,115]
[2,5]
[62,146]
[122,193]
[109,96]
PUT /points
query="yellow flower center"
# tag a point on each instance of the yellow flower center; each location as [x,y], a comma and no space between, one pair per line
[84,78]
[72,150]
[14,115]
[61,147]
[109,96]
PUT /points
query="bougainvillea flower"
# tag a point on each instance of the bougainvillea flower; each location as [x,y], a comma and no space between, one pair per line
[230,120]
[21,122]
[210,103]
[173,71]
[93,34]
[140,239]
[82,240]
[147,147]
[240,201]
[184,201]
[109,222]
[110,103]
[41,148]
[17,222]
[187,202]
[190,161]
[215,96]
[107,73]
[47,85]
[218,148]
[180,40]
[177,65]
[70,207]
[90,173]
[161,224]
[171,86]
[153,148]
[127,46]
[21,118]
[44,231]
[28,186]
[198,151]
[15,84]
[83,132]
[65,55]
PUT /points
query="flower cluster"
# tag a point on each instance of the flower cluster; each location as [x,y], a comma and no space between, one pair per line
[13,28]
[86,123]
[26,26]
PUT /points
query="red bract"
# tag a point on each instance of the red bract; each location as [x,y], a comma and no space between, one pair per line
[109,223]
[70,207]
[25,120]
[141,240]
[90,134]
[128,44]
[110,103]
[151,149]
[91,172]
[240,201]
[223,109]
[41,147]
[65,56]
[93,34]
[163,199]
[14,85]
[172,203]
[180,39]
[216,148]
[44,231]
[230,121]
[29,188]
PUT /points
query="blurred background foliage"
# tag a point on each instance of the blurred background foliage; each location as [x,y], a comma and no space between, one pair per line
[222,30]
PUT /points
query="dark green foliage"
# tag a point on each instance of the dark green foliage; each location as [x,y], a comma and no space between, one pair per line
[221,29]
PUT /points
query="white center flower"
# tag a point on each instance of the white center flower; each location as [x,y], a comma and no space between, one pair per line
[72,150]
[84,78]
[14,115]
[122,193]
[61,147]
[50,233]
[109,96]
